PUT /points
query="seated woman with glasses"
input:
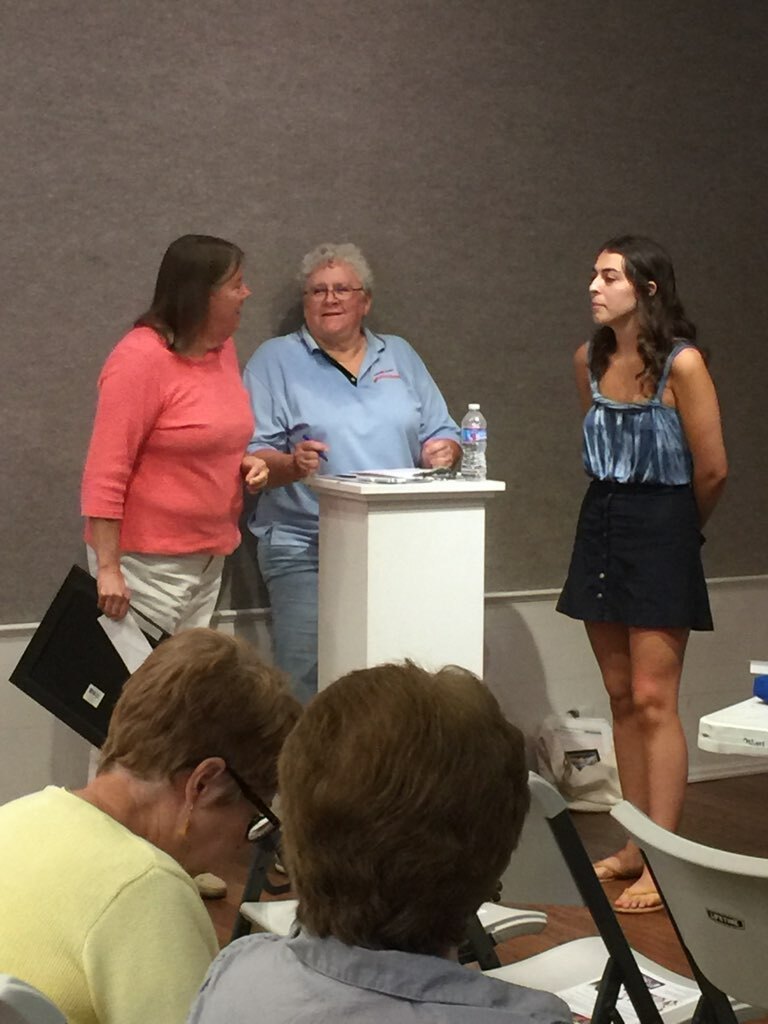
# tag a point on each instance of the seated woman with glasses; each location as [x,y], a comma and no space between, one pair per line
[99,910]
[333,397]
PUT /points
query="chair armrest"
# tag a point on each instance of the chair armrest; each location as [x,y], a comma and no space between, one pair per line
[503,923]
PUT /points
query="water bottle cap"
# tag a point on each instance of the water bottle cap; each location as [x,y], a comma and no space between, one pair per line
[474,406]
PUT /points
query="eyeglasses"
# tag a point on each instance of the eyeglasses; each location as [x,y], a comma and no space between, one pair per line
[338,291]
[263,823]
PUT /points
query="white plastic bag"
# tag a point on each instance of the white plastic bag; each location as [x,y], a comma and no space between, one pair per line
[576,754]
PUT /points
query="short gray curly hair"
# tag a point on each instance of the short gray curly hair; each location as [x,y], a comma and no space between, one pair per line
[337,252]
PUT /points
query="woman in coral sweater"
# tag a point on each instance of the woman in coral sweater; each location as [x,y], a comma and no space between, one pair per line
[162,487]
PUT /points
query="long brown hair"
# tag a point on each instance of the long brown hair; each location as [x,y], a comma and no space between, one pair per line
[662,318]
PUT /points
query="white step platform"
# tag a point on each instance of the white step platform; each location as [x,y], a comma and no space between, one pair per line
[739,729]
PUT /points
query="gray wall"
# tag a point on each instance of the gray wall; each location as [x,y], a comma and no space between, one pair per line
[478,151]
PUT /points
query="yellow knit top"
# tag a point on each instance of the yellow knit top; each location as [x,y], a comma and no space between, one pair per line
[104,923]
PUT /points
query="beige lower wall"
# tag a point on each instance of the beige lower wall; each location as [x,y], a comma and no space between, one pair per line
[536,662]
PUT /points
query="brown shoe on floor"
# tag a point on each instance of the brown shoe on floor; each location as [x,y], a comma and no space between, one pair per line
[211,887]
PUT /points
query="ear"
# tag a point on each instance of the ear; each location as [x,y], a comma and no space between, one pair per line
[207,782]
[652,289]
[367,304]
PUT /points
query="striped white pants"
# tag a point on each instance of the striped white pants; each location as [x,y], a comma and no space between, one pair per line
[175,591]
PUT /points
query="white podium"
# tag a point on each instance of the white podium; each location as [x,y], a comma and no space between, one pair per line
[402,573]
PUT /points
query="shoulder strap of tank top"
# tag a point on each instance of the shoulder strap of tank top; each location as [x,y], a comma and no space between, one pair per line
[591,377]
[678,347]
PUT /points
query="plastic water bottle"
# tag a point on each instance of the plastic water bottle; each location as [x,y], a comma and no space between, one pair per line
[474,438]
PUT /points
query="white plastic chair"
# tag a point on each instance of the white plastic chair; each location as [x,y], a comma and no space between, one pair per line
[265,851]
[551,866]
[276,916]
[20,1003]
[718,904]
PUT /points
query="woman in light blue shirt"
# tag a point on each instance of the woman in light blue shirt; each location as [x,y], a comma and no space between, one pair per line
[653,447]
[330,398]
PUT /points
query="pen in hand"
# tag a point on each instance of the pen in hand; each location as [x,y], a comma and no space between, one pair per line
[322,455]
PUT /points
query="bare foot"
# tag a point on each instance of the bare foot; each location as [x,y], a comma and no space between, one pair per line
[639,898]
[627,863]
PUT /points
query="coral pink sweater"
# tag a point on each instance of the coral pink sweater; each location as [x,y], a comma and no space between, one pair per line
[167,443]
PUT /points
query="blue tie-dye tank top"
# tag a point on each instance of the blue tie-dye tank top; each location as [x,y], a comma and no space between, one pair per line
[636,442]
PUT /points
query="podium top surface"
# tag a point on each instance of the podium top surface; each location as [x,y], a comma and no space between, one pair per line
[357,488]
[739,729]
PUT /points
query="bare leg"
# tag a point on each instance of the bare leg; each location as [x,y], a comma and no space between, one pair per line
[657,663]
[611,645]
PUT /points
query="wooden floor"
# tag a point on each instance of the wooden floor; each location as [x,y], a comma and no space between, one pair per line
[726,813]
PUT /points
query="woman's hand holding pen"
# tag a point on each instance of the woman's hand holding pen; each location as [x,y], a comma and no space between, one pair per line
[440,451]
[307,455]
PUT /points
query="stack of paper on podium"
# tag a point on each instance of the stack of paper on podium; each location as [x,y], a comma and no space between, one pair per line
[407,475]
[77,661]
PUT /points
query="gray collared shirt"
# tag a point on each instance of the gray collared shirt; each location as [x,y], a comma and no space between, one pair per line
[266,979]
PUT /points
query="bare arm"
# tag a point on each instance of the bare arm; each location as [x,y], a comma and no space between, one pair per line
[581,370]
[114,595]
[696,401]
[290,467]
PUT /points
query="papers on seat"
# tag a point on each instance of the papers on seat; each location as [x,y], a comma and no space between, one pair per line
[666,995]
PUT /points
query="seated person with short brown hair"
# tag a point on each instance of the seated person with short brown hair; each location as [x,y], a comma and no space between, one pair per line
[99,910]
[403,794]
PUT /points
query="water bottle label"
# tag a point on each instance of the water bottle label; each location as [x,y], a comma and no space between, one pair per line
[471,435]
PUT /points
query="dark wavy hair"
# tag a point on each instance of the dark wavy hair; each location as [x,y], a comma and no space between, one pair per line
[191,268]
[662,318]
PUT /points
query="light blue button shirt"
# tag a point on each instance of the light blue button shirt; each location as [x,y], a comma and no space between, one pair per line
[303,978]
[379,422]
